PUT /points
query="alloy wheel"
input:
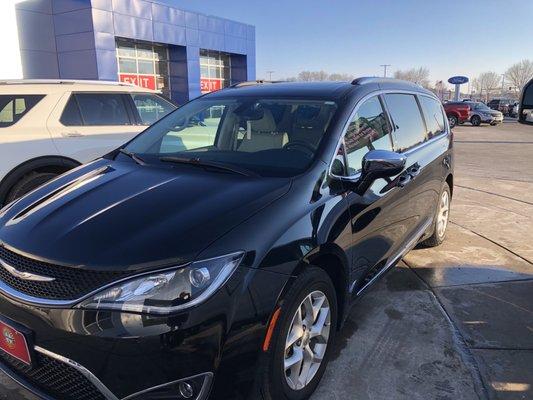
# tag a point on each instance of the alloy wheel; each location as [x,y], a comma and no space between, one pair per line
[452,121]
[307,340]
[443,214]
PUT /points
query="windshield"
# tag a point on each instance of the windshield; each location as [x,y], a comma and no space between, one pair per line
[481,106]
[270,137]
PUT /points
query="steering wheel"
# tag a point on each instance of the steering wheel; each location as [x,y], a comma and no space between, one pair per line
[300,145]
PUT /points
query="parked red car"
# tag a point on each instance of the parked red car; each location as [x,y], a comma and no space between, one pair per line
[457,112]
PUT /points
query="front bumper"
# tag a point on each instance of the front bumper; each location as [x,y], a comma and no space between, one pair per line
[111,355]
[54,377]
[492,119]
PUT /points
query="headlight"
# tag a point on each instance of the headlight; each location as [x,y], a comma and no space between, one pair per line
[169,290]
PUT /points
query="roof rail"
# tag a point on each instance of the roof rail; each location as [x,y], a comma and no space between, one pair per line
[374,79]
[368,79]
[253,83]
[60,81]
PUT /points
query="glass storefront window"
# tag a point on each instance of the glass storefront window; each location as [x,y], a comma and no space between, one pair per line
[145,51]
[127,65]
[161,68]
[146,67]
[215,70]
[126,49]
[143,64]
[160,53]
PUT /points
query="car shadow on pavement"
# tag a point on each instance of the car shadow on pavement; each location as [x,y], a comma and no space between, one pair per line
[406,340]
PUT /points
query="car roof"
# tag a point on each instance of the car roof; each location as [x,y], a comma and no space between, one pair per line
[46,86]
[330,90]
[323,90]
[458,103]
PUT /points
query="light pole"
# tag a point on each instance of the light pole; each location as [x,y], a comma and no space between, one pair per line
[270,75]
[385,69]
[503,83]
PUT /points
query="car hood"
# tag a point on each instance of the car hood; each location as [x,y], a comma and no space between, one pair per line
[118,215]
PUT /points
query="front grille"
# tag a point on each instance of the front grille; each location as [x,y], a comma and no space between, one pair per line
[53,377]
[69,283]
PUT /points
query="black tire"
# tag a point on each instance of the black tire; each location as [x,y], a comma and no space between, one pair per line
[271,381]
[453,121]
[27,183]
[436,239]
[475,120]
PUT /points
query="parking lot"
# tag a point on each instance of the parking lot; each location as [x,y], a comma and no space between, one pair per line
[455,322]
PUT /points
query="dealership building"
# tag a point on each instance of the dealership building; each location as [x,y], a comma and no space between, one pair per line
[151,43]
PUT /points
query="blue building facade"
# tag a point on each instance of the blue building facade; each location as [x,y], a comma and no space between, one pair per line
[148,42]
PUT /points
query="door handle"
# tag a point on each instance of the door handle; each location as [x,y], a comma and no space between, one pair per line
[404,179]
[408,175]
[71,134]
[414,170]
[446,161]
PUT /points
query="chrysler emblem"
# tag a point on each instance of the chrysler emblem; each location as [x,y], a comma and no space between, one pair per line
[9,338]
[27,276]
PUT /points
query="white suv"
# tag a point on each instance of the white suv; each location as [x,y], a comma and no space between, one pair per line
[48,127]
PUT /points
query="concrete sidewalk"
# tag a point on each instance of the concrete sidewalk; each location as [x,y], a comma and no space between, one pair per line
[399,344]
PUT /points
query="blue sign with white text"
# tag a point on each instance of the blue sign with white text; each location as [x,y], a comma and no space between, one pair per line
[458,80]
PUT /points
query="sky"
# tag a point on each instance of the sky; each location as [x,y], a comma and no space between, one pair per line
[11,67]
[449,37]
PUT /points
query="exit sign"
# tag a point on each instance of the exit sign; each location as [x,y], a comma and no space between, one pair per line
[210,85]
[144,81]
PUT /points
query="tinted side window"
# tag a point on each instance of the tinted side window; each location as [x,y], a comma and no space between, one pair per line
[528,95]
[151,107]
[409,126]
[102,109]
[433,115]
[71,114]
[14,107]
[368,130]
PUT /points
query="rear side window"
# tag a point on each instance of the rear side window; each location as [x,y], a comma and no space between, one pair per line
[71,114]
[96,109]
[368,130]
[151,107]
[433,115]
[14,107]
[409,129]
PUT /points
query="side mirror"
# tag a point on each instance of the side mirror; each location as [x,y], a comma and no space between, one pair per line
[376,164]
[379,164]
[382,164]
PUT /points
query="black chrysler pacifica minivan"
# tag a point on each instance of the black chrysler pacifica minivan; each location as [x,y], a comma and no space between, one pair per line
[217,254]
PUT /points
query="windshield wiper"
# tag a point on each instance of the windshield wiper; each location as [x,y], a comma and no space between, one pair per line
[133,156]
[207,164]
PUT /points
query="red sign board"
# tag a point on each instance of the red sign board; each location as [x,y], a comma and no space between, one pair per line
[210,85]
[145,81]
[14,343]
